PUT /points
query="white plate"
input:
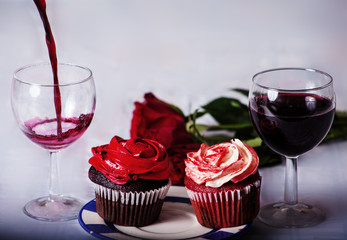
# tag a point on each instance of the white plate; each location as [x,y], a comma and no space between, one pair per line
[177,221]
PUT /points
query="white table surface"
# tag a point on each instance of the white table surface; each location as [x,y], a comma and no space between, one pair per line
[186,52]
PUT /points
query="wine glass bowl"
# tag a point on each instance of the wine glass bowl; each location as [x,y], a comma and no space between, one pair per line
[292,109]
[53,121]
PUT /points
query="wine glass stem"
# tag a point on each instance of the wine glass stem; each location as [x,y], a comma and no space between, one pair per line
[291,181]
[54,185]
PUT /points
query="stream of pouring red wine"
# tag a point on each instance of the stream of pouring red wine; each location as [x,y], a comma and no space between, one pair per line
[41,6]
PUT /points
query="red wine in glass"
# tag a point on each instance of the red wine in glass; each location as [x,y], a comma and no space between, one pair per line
[32,103]
[44,132]
[292,110]
[290,130]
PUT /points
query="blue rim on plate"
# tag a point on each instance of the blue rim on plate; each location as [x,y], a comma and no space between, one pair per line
[93,224]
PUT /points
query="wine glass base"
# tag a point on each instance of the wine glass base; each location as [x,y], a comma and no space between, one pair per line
[283,215]
[58,209]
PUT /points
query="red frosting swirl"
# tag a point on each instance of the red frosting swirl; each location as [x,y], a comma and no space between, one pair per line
[137,158]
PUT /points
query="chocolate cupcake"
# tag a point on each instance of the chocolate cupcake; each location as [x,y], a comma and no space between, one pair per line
[223,184]
[131,180]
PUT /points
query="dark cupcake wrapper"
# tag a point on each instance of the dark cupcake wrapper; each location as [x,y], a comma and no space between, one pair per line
[130,208]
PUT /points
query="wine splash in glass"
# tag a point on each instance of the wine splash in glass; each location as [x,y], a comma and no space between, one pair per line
[292,110]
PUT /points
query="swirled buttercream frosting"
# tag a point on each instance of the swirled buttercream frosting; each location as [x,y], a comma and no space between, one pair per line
[128,160]
[221,163]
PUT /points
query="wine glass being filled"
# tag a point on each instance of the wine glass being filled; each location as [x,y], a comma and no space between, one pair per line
[53,116]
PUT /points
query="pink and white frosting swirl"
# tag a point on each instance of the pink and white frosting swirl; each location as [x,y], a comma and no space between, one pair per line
[221,163]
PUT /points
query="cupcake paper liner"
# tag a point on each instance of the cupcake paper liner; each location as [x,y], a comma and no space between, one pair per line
[228,208]
[130,208]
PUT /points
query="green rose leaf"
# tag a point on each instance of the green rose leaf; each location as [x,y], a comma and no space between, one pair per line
[228,111]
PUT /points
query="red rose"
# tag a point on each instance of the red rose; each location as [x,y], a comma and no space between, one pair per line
[155,119]
[176,158]
[160,121]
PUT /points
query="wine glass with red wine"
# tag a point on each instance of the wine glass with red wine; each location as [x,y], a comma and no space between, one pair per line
[292,110]
[53,116]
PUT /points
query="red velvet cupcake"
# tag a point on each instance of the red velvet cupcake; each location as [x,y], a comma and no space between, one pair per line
[223,184]
[131,180]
